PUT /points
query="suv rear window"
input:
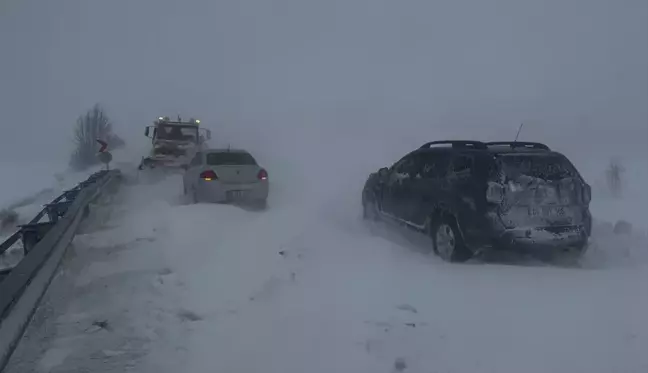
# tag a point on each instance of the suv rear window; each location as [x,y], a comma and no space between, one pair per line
[230,159]
[541,166]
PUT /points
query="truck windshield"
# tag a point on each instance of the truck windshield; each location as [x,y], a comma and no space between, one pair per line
[177,133]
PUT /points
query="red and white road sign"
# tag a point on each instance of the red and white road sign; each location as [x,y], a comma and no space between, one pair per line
[104,145]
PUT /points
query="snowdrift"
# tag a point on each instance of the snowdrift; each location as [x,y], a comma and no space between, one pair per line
[158,286]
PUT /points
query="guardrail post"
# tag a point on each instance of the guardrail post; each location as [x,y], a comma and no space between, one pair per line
[86,183]
[44,244]
[71,194]
[33,233]
[57,210]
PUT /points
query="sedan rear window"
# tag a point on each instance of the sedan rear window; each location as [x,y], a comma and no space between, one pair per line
[230,159]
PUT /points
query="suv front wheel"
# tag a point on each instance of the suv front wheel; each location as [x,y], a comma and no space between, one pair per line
[447,241]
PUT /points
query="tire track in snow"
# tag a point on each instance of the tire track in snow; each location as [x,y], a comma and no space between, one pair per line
[223,298]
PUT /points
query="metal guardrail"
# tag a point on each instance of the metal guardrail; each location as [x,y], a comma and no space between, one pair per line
[44,244]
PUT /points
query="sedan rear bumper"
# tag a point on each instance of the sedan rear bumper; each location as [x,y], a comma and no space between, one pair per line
[217,192]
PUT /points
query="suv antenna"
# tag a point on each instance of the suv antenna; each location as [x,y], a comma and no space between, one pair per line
[518,132]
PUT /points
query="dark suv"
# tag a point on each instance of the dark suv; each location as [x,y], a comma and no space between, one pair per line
[471,195]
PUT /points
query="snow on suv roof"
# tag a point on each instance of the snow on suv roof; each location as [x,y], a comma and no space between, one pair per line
[493,147]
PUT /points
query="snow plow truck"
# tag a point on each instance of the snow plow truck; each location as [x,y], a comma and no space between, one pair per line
[174,143]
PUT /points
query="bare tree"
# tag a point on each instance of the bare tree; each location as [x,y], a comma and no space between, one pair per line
[94,125]
[614,177]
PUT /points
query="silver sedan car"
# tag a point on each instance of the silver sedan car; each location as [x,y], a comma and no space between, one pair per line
[226,176]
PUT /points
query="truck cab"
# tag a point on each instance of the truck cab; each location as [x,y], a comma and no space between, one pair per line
[174,142]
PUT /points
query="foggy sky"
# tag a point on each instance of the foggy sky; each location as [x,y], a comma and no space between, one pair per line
[375,70]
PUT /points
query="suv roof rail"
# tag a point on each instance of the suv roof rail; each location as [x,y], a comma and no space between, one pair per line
[520,144]
[178,123]
[456,144]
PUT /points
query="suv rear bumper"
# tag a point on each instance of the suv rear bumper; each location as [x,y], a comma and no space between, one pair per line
[544,238]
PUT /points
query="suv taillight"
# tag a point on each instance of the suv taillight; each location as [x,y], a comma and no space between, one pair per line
[495,192]
[208,175]
[262,175]
[587,193]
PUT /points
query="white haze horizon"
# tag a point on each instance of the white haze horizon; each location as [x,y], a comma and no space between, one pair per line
[574,71]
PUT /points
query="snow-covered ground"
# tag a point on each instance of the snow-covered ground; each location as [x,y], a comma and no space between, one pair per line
[27,186]
[23,180]
[154,285]
[24,189]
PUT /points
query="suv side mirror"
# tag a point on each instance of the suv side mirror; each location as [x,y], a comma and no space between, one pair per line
[146,132]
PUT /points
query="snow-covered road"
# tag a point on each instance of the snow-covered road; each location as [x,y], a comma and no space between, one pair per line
[158,286]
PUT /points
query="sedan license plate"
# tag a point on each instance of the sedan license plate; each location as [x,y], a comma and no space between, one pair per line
[236,194]
[547,211]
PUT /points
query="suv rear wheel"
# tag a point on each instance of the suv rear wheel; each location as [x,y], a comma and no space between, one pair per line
[447,241]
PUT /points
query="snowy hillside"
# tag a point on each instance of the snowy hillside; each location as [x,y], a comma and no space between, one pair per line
[27,186]
[22,180]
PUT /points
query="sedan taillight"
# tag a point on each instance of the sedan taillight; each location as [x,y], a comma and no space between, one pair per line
[208,175]
[262,175]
